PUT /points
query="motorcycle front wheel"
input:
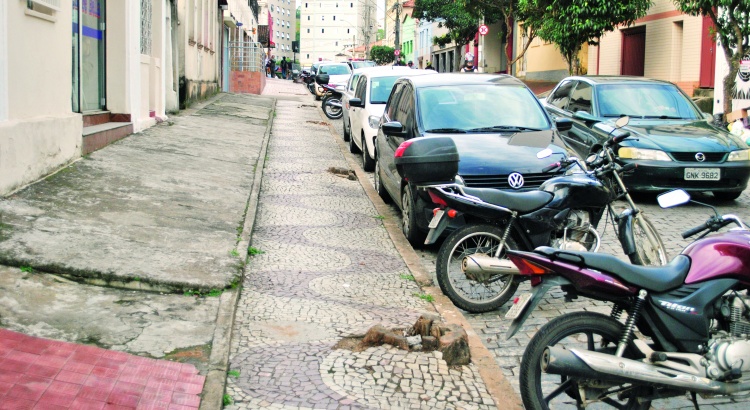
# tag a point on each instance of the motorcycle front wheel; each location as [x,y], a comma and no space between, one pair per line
[584,331]
[331,111]
[474,294]
[649,248]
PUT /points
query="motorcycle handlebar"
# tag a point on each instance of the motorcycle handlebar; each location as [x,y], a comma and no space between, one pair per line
[692,231]
[551,167]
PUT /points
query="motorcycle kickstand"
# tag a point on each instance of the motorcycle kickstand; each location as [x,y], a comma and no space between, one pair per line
[694,399]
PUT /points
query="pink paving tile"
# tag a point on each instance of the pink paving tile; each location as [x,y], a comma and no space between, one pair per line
[128,388]
[115,356]
[4,388]
[35,346]
[71,377]
[57,399]
[110,406]
[16,403]
[29,387]
[21,356]
[105,372]
[115,363]
[84,357]
[10,377]
[90,350]
[181,407]
[137,379]
[189,388]
[78,367]
[62,350]
[100,383]
[160,383]
[123,399]
[157,395]
[93,393]
[186,399]
[47,359]
[61,387]
[87,404]
[5,349]
[152,405]
[44,371]
[10,365]
[189,368]
[10,335]
[194,379]
[49,406]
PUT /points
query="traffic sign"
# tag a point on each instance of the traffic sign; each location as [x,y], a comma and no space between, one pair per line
[397,52]
[483,29]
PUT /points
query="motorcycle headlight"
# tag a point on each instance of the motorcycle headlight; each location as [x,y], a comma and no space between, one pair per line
[741,155]
[374,121]
[640,153]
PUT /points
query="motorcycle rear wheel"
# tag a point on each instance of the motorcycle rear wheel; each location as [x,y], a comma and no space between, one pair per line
[330,111]
[649,248]
[471,295]
[583,330]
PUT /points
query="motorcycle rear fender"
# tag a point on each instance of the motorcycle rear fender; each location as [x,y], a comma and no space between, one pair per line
[538,294]
[435,233]
[625,231]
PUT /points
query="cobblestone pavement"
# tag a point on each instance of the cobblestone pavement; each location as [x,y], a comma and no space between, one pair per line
[325,269]
[669,222]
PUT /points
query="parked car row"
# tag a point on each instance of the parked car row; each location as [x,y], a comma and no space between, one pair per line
[499,126]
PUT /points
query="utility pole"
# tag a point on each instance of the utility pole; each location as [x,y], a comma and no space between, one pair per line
[397,8]
[367,26]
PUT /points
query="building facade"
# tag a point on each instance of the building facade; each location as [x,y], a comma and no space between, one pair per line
[328,28]
[282,15]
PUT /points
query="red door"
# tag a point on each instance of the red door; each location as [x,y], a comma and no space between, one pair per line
[633,51]
[708,54]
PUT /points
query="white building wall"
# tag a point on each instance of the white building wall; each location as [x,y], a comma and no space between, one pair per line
[38,130]
[328,28]
[284,27]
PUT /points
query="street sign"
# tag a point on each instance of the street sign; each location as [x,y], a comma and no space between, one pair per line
[397,52]
[483,29]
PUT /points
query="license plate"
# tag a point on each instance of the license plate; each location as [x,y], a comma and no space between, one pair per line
[702,174]
[518,305]
[436,219]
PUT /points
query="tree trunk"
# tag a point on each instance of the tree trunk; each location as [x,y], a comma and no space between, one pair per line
[729,81]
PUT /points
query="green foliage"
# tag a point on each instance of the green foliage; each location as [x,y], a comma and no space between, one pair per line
[405,276]
[234,373]
[442,41]
[252,251]
[453,15]
[27,269]
[424,296]
[234,253]
[570,23]
[380,35]
[732,21]
[382,55]
[228,400]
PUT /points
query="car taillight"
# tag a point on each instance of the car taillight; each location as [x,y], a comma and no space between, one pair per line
[401,148]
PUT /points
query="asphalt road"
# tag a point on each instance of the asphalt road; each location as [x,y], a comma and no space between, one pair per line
[670,223]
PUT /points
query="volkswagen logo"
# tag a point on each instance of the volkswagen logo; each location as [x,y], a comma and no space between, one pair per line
[515,180]
[700,157]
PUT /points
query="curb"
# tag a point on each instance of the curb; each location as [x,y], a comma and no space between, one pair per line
[497,385]
[218,366]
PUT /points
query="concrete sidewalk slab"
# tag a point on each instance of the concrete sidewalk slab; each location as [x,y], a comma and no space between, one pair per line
[159,210]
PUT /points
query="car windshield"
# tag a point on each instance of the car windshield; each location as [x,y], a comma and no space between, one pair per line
[662,101]
[480,108]
[363,64]
[380,89]
[335,69]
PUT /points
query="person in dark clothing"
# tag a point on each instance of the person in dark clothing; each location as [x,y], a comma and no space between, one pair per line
[429,66]
[273,67]
[283,67]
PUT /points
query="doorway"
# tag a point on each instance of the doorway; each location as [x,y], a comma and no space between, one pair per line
[633,51]
[88,88]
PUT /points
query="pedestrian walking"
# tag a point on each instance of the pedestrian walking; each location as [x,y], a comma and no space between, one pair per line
[429,66]
[273,67]
[410,64]
[283,67]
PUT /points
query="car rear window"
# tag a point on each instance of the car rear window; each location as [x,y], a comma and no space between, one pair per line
[476,106]
[380,89]
[335,69]
[663,101]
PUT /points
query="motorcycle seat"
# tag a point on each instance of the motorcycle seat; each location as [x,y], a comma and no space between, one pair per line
[652,278]
[522,202]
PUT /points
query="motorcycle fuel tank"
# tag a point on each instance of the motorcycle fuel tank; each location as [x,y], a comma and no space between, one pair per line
[726,255]
[576,191]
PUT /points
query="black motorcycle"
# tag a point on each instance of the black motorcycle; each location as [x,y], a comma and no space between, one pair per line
[472,267]
[331,104]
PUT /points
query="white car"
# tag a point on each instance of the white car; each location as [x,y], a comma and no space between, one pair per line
[338,74]
[364,102]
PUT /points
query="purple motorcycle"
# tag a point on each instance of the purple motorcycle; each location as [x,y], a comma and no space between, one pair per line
[687,325]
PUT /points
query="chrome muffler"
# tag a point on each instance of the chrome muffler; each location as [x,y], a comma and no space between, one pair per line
[600,366]
[482,264]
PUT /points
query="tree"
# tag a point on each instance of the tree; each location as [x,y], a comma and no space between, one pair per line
[382,55]
[731,20]
[453,15]
[508,11]
[570,23]
[380,35]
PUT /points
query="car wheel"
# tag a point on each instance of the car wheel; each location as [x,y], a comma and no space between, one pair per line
[347,130]
[368,162]
[409,219]
[378,182]
[727,196]
[352,145]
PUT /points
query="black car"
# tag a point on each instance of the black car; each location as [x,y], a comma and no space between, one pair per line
[672,141]
[498,126]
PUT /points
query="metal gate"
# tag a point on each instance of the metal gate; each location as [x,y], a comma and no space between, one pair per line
[246,56]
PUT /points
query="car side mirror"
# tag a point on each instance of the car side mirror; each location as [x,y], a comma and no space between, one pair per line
[322,79]
[707,116]
[563,124]
[356,102]
[392,128]
[585,117]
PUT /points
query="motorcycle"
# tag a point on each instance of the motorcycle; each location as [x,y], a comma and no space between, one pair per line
[331,104]
[692,319]
[472,267]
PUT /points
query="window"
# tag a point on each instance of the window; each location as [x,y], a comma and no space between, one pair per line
[322,30]
[308,31]
[347,31]
[278,10]
[337,43]
[308,18]
[306,7]
[580,99]
[323,18]
[307,55]
[334,18]
[351,5]
[361,88]
[561,96]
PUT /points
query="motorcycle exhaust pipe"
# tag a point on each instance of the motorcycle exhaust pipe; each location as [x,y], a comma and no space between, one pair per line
[334,104]
[480,263]
[600,366]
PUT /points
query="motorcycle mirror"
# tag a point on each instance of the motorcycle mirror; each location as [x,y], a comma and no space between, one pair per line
[622,121]
[545,153]
[673,198]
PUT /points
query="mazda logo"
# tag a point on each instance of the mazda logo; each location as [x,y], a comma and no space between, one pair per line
[515,180]
[700,157]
